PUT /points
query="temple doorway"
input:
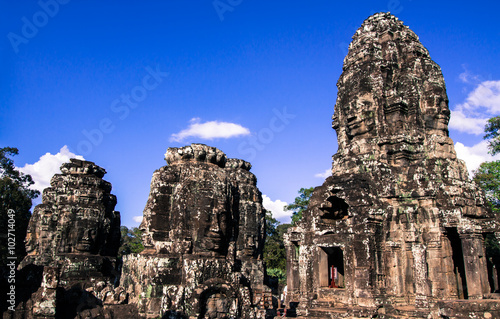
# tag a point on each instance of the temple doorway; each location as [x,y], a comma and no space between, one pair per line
[458,262]
[492,261]
[331,267]
[216,304]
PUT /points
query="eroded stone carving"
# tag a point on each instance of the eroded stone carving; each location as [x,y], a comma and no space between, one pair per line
[76,216]
[72,244]
[398,226]
[203,233]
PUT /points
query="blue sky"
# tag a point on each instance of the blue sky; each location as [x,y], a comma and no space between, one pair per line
[119,84]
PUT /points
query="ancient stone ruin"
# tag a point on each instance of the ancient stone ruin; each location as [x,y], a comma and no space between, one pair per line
[76,216]
[204,234]
[72,242]
[398,230]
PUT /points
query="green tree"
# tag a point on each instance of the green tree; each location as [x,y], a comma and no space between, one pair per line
[15,201]
[492,130]
[130,242]
[300,204]
[487,176]
[274,248]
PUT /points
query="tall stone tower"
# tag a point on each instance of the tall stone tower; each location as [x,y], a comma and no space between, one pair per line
[398,228]
[203,236]
[72,243]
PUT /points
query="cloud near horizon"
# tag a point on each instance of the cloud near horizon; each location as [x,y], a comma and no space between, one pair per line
[276,207]
[137,219]
[48,165]
[483,102]
[325,174]
[210,130]
[474,155]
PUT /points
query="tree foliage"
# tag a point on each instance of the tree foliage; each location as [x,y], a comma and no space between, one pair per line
[15,195]
[492,130]
[274,248]
[300,204]
[487,176]
[130,242]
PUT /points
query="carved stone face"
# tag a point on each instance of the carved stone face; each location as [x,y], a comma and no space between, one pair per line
[213,223]
[86,230]
[201,212]
[360,115]
[437,117]
[86,240]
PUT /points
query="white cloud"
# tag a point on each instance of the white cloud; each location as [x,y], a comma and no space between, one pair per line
[460,122]
[468,77]
[487,95]
[482,103]
[210,130]
[48,165]
[276,207]
[325,174]
[474,155]
[137,219]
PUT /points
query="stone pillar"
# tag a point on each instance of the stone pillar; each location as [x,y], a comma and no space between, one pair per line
[363,280]
[475,265]
[305,274]
[45,307]
[437,270]
[292,269]
[422,287]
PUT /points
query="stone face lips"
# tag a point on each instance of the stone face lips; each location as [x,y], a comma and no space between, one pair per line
[204,234]
[76,216]
[398,222]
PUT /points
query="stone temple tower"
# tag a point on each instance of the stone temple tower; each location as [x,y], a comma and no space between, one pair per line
[398,228]
[72,243]
[204,234]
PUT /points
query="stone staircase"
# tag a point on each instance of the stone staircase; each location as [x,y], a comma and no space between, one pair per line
[328,309]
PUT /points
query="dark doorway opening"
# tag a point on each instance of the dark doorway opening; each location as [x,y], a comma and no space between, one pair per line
[333,209]
[458,261]
[331,269]
[492,261]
